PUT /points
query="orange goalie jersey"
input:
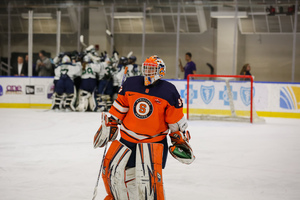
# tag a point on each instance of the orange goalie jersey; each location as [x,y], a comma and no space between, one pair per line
[146,111]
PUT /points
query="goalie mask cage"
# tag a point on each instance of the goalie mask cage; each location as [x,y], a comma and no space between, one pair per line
[221,97]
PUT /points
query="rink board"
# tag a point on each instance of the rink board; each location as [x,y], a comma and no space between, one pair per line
[270,99]
[25,92]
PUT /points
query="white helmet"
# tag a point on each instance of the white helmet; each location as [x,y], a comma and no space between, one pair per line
[86,59]
[153,69]
[66,59]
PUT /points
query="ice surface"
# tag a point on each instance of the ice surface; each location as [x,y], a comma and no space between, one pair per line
[49,155]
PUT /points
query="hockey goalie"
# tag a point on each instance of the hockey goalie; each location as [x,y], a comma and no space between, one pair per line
[64,96]
[146,110]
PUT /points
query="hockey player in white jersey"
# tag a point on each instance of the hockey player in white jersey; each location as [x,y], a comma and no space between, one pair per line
[65,93]
[88,84]
[106,82]
[118,75]
[133,69]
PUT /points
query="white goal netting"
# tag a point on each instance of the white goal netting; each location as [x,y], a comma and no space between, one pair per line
[222,97]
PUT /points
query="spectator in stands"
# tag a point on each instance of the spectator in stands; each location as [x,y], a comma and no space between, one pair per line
[43,65]
[190,67]
[21,69]
[246,71]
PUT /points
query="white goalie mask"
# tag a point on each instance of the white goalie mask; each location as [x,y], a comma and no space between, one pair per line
[153,69]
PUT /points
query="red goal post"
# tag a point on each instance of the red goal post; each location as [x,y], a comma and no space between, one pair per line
[221,77]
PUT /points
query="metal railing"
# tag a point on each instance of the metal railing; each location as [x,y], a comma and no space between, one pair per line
[3,69]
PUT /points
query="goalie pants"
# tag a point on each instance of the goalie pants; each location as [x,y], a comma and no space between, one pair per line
[105,87]
[88,84]
[132,147]
[64,85]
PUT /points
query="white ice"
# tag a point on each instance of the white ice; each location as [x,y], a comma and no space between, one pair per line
[46,155]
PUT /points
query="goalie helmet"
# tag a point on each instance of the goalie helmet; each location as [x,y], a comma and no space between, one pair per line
[123,61]
[132,59]
[87,59]
[66,59]
[153,69]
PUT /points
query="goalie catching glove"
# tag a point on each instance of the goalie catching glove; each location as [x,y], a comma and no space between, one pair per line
[181,149]
[107,132]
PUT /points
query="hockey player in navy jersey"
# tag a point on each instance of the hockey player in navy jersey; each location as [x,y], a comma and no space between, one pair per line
[65,94]
[120,72]
[133,69]
[147,110]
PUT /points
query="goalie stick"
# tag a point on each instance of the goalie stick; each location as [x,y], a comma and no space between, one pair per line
[81,38]
[95,189]
[108,33]
[129,54]
[96,186]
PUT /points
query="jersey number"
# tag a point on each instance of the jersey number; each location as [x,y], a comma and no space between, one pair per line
[88,70]
[180,102]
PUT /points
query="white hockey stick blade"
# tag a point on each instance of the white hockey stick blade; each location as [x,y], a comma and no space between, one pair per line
[116,56]
[108,33]
[129,54]
[81,38]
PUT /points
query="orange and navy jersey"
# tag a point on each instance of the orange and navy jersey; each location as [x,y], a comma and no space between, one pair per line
[146,111]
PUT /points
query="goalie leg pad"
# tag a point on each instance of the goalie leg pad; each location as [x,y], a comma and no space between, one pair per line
[92,102]
[70,102]
[100,102]
[149,180]
[56,101]
[130,182]
[113,173]
[83,100]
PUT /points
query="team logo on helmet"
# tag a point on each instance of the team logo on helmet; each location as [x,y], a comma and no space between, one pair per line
[142,108]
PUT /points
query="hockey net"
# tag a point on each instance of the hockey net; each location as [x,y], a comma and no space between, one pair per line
[221,97]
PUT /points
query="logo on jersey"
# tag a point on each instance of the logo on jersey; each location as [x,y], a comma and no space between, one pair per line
[142,108]
[245,93]
[207,93]
[157,101]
